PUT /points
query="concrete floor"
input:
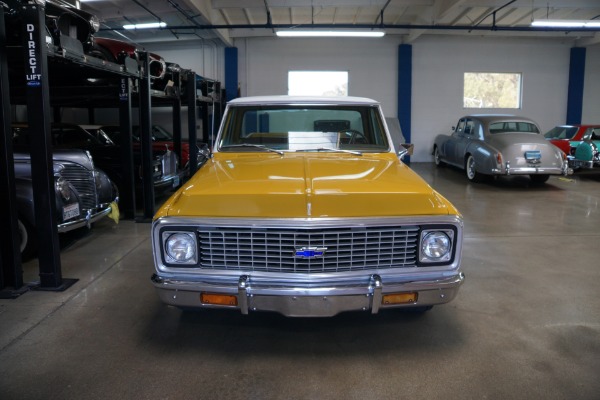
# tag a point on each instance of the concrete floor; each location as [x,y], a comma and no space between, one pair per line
[525,325]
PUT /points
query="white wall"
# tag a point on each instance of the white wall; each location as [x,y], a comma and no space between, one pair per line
[371,64]
[438,66]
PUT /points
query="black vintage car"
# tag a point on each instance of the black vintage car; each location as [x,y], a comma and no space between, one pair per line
[83,193]
[107,154]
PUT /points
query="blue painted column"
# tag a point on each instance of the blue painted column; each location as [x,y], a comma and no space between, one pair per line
[405,91]
[576,79]
[231,73]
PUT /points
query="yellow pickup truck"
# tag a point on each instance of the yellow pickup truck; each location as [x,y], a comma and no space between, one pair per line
[306,209]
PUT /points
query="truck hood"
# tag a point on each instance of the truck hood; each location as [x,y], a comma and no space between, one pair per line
[305,185]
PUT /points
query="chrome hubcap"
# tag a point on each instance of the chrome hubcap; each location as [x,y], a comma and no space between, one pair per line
[471,168]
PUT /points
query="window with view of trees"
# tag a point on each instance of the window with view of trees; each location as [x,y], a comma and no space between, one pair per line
[318,83]
[492,90]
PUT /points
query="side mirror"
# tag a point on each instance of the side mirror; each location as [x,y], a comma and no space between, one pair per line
[453,128]
[406,149]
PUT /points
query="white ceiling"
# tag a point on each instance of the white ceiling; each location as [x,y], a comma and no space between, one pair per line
[408,18]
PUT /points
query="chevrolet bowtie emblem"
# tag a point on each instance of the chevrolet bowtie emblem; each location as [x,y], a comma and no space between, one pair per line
[309,252]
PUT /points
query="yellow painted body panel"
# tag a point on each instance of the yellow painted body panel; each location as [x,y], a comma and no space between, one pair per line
[305,185]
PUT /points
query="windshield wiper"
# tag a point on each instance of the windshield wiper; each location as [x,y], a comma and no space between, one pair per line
[256,146]
[355,152]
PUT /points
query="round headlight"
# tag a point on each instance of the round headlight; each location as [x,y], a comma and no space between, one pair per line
[436,246]
[181,247]
[62,187]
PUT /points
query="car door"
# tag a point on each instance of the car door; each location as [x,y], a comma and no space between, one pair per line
[468,135]
[452,143]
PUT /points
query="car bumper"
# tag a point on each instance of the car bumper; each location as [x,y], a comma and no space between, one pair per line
[534,170]
[579,164]
[309,300]
[169,182]
[90,218]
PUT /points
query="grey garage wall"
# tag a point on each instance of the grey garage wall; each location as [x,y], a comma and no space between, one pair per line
[438,66]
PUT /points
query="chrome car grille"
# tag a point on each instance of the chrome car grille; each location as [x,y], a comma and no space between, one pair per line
[83,180]
[323,250]
[169,164]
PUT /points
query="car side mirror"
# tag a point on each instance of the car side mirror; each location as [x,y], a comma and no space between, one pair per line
[453,128]
[406,149]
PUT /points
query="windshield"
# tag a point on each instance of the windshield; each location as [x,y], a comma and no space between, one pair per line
[561,132]
[513,126]
[304,128]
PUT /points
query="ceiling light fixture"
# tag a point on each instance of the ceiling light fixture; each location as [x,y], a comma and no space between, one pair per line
[315,33]
[565,23]
[151,25]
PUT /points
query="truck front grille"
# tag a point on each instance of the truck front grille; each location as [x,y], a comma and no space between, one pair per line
[322,250]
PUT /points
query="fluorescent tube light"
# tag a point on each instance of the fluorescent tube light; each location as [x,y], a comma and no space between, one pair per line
[146,26]
[315,33]
[565,23]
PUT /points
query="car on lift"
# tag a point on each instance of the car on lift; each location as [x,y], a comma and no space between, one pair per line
[109,50]
[486,145]
[161,140]
[580,142]
[166,172]
[306,209]
[83,194]
[107,154]
[67,28]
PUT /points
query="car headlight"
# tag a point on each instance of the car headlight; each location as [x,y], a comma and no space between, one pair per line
[62,187]
[436,246]
[180,247]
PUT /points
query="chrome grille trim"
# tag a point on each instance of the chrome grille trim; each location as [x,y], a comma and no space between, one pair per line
[84,182]
[169,164]
[199,223]
[273,250]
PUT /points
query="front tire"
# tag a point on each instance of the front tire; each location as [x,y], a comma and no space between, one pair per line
[27,236]
[437,158]
[472,174]
[102,53]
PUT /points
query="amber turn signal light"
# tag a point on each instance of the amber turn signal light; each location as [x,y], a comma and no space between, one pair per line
[399,298]
[218,299]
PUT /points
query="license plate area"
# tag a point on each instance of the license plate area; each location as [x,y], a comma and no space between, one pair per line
[533,157]
[70,211]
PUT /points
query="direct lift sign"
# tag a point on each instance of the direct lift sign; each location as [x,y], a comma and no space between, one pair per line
[33,77]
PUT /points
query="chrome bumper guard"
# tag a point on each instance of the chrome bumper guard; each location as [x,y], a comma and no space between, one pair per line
[318,301]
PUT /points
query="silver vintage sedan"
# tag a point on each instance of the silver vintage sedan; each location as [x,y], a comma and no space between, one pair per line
[490,144]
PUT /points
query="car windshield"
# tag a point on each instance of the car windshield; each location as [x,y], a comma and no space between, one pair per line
[358,128]
[561,132]
[159,134]
[513,126]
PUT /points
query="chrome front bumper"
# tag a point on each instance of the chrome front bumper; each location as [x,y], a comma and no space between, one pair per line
[85,221]
[308,301]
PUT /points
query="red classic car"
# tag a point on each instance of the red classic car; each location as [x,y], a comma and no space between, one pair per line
[109,50]
[568,137]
